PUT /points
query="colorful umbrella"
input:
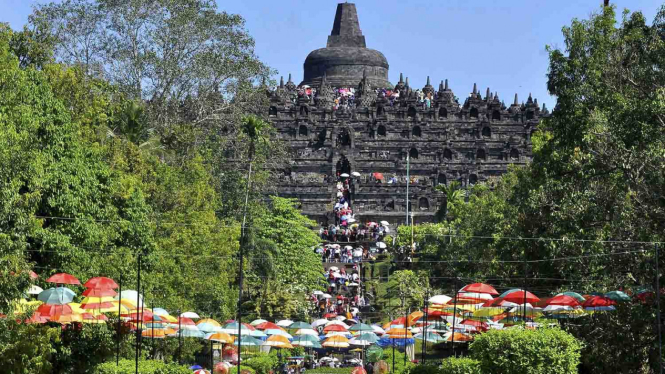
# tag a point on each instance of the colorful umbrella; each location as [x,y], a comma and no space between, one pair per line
[563,300]
[598,301]
[56,296]
[63,278]
[257,322]
[336,342]
[248,341]
[99,292]
[440,299]
[278,332]
[479,288]
[335,327]
[300,325]
[574,295]
[307,332]
[66,318]
[35,290]
[518,296]
[361,327]
[267,325]
[220,337]
[101,283]
[617,296]
[278,341]
[209,325]
[285,323]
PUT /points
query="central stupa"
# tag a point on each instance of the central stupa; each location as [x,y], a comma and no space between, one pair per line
[346,57]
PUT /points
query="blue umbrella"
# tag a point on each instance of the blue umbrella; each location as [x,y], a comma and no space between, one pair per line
[195,367]
[57,296]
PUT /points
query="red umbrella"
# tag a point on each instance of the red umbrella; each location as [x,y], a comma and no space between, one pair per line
[63,278]
[184,321]
[104,305]
[267,325]
[479,288]
[598,301]
[33,275]
[335,327]
[48,310]
[249,327]
[329,315]
[563,300]
[359,370]
[99,292]
[36,318]
[101,282]
[378,175]
[477,324]
[518,297]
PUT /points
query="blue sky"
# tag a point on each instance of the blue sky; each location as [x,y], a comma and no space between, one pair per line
[495,43]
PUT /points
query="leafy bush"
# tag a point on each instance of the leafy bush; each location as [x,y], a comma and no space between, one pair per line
[460,365]
[26,348]
[145,367]
[262,363]
[449,365]
[542,351]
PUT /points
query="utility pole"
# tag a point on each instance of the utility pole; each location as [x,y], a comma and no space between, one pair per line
[408,181]
[658,321]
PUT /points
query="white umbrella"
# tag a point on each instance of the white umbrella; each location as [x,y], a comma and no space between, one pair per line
[385,223]
[190,315]
[378,330]
[556,308]
[258,322]
[476,295]
[440,299]
[279,332]
[353,284]
[285,323]
[35,290]
[351,220]
[315,293]
[344,175]
[307,332]
[319,322]
[337,274]
[348,247]
[338,333]
[362,343]
[326,296]
[340,318]
[337,322]
[333,268]
[381,245]
[355,174]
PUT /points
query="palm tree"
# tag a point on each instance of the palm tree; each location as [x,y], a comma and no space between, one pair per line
[255,130]
[454,194]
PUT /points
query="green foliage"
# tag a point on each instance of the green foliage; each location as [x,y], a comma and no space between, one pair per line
[451,365]
[26,348]
[408,285]
[400,367]
[262,363]
[547,350]
[79,350]
[145,367]
[461,365]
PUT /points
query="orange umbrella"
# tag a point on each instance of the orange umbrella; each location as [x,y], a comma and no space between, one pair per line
[335,327]
[66,318]
[278,341]
[459,337]
[222,337]
[413,317]
[154,333]
[397,333]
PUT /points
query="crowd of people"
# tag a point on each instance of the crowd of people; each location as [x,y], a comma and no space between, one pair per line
[345,98]
[345,291]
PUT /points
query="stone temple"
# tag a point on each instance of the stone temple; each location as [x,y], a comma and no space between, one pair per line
[346,117]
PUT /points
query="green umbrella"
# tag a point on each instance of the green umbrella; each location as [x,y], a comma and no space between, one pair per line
[305,338]
[248,341]
[617,296]
[361,327]
[374,353]
[369,336]
[574,295]
[300,325]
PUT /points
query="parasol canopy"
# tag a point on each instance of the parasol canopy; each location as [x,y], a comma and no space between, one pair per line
[63,278]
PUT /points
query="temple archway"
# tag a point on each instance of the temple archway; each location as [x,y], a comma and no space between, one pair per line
[480,154]
[447,154]
[423,203]
[302,130]
[413,153]
[416,131]
[473,113]
[343,166]
[443,113]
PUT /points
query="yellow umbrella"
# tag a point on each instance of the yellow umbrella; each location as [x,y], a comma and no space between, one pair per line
[76,308]
[336,342]
[125,307]
[278,341]
[66,318]
[154,333]
[461,307]
[488,312]
[169,318]
[97,300]
[223,337]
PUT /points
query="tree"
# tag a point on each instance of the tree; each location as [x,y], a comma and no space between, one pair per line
[407,288]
